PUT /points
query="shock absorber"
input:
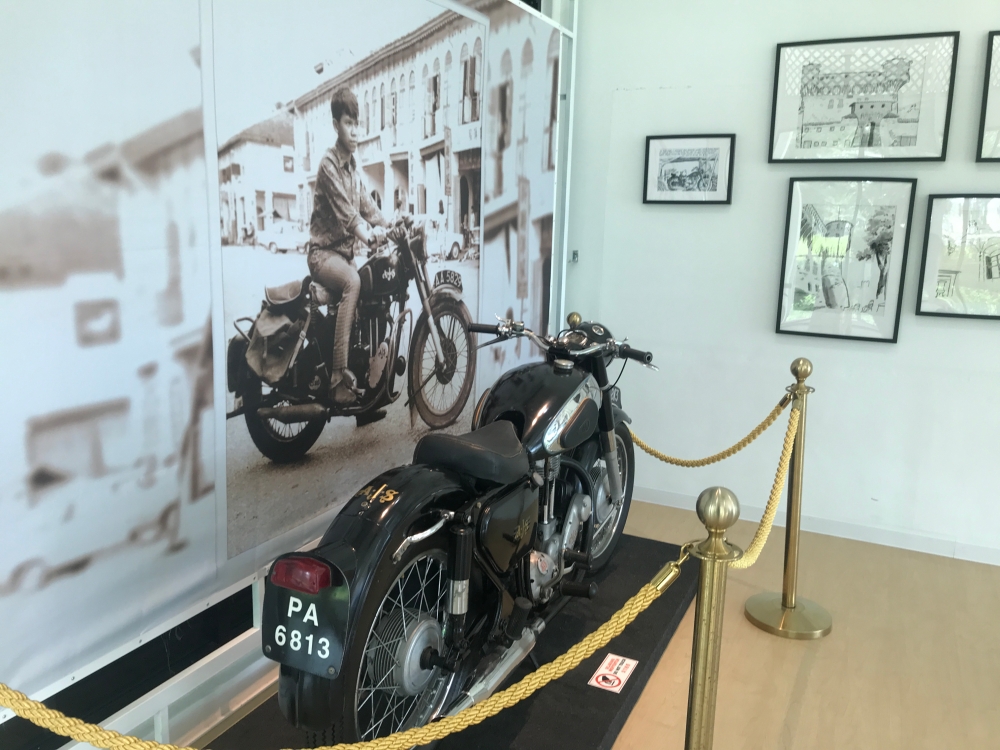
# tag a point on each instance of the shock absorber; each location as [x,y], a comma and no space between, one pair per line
[459,570]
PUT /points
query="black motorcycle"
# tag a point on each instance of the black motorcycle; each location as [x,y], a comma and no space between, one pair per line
[435,579]
[279,368]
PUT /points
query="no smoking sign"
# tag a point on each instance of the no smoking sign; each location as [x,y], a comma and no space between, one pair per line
[613,673]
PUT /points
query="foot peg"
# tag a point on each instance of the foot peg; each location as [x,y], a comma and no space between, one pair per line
[518,619]
[575,556]
[586,590]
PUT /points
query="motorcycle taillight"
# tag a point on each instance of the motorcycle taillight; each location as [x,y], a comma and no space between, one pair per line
[304,574]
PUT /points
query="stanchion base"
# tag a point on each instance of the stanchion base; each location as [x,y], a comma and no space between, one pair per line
[806,621]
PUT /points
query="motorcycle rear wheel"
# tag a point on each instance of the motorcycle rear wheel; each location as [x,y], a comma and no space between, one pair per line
[385,690]
[438,397]
[279,442]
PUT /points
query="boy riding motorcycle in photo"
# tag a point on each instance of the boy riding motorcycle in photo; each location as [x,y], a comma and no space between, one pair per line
[343,213]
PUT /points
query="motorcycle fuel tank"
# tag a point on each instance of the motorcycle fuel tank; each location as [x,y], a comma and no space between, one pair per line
[382,274]
[553,407]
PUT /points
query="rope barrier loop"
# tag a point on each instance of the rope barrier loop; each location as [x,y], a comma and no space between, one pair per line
[732,450]
[107,739]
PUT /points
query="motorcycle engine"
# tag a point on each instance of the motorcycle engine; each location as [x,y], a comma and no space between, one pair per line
[546,567]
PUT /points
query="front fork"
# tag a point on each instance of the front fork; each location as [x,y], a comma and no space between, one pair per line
[606,425]
[423,290]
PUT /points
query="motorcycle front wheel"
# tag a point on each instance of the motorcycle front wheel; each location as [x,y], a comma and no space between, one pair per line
[609,517]
[280,442]
[441,391]
[386,690]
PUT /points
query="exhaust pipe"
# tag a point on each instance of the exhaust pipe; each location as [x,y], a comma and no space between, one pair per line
[486,685]
[294,413]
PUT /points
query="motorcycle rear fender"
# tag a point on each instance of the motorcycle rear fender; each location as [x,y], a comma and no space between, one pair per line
[236,354]
[360,542]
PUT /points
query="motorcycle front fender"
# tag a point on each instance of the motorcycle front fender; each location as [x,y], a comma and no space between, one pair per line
[360,542]
[621,416]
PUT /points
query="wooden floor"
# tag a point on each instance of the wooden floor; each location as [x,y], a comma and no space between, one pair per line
[913,660]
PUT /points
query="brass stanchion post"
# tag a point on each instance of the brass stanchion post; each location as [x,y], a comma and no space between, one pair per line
[718,509]
[786,614]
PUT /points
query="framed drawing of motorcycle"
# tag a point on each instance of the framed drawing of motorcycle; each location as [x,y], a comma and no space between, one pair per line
[884,98]
[689,169]
[845,257]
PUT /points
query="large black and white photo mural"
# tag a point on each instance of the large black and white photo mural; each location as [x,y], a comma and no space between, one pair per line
[349,178]
[107,456]
[519,160]
[240,249]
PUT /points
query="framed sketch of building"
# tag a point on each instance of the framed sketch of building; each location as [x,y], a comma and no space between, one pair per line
[960,272]
[845,257]
[869,99]
[988,148]
[689,169]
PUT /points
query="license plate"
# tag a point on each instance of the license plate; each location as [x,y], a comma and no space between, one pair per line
[454,278]
[305,631]
[616,397]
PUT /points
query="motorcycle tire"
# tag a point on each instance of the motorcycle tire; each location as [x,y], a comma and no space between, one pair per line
[626,460]
[366,657]
[456,342]
[278,442]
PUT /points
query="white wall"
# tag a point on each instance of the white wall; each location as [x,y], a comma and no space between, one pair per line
[904,439]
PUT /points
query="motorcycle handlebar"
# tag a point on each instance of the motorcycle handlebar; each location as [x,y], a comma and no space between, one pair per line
[483,328]
[627,352]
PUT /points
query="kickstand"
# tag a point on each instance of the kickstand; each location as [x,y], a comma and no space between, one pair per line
[533,659]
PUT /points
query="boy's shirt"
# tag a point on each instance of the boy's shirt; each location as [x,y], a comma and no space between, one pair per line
[341,202]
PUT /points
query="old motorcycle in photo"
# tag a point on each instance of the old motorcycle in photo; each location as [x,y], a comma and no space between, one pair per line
[278,367]
[435,579]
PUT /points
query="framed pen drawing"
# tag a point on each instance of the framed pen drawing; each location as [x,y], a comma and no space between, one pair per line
[845,257]
[960,269]
[689,169]
[867,99]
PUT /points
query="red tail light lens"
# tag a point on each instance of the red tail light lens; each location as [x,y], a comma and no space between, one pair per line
[303,574]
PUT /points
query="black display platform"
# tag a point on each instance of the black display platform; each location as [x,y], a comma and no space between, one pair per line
[567,713]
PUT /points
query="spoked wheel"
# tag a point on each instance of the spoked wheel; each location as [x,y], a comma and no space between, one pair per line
[278,441]
[440,391]
[392,691]
[609,517]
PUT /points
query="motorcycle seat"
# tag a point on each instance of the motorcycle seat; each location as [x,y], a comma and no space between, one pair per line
[286,294]
[492,453]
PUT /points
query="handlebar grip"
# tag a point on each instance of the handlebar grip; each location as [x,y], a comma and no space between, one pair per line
[483,328]
[638,355]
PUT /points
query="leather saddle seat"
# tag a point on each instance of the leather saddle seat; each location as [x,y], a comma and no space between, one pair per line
[287,294]
[492,453]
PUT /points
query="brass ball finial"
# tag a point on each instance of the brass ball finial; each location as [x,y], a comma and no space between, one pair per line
[718,509]
[574,319]
[802,368]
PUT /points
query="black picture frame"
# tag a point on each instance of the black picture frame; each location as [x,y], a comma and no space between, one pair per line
[993,40]
[912,182]
[716,199]
[772,159]
[928,226]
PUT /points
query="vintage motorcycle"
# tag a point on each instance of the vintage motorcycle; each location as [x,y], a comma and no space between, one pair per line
[435,579]
[279,367]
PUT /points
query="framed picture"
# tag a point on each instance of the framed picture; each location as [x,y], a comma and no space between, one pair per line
[960,273]
[989,127]
[689,169]
[882,98]
[845,256]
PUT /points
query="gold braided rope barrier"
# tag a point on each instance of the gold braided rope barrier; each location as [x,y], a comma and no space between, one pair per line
[771,509]
[108,739]
[695,463]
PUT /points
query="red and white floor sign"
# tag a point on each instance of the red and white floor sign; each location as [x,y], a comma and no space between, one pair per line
[613,673]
